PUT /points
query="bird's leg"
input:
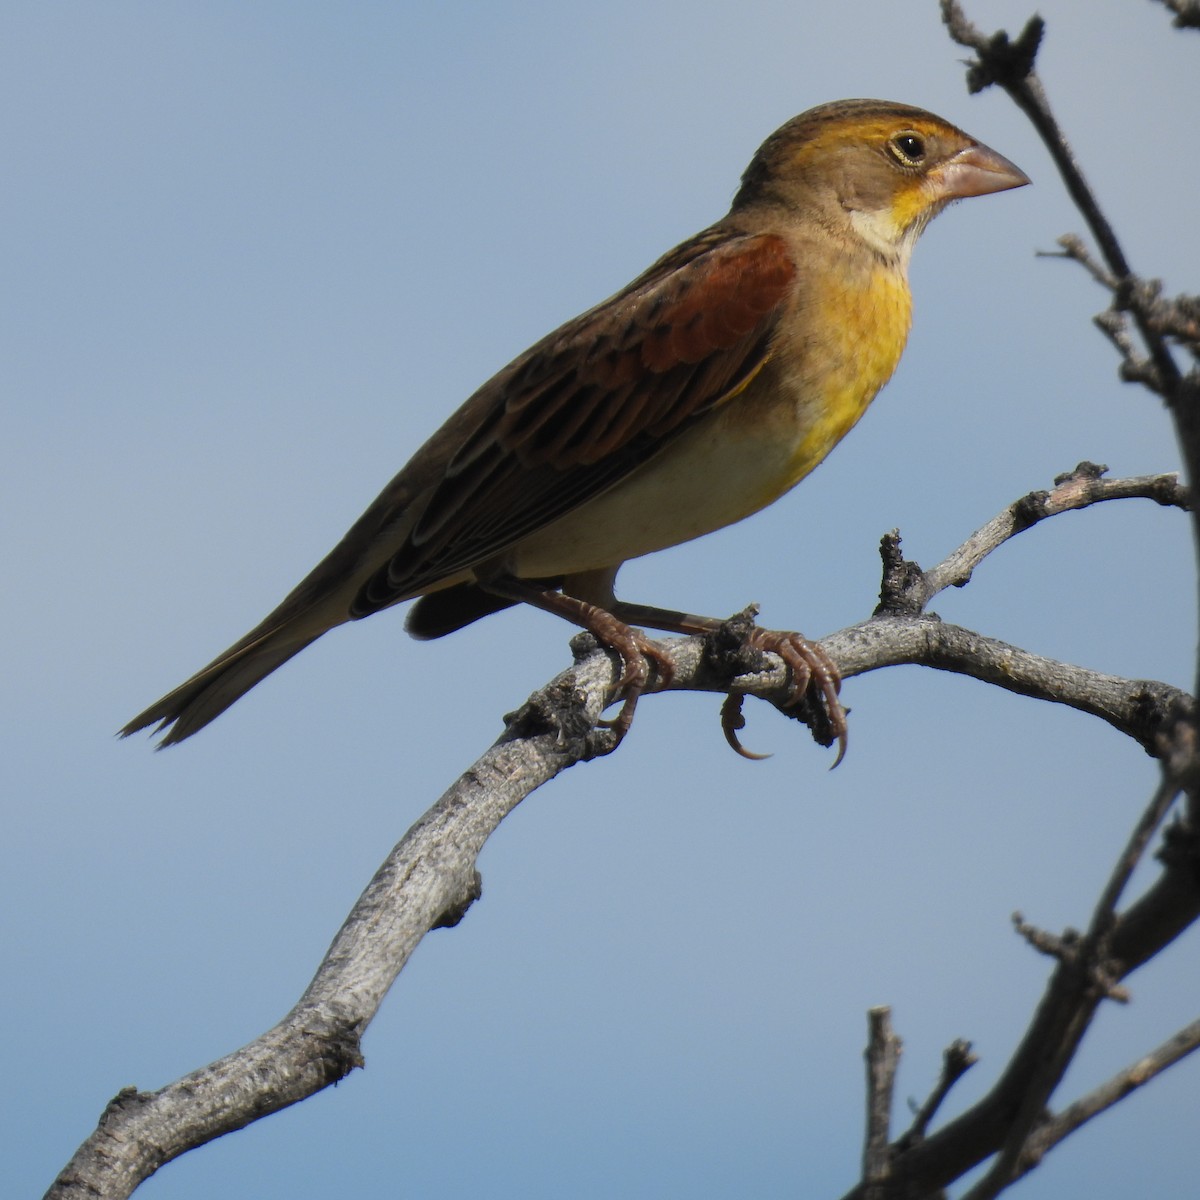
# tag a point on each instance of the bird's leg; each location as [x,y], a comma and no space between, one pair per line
[810,667]
[612,623]
[635,650]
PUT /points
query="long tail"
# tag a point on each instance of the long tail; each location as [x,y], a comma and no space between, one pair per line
[211,691]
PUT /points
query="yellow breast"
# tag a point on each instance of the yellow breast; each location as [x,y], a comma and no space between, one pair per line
[838,359]
[826,367]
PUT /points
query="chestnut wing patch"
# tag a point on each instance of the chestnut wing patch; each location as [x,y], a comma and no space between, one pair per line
[593,401]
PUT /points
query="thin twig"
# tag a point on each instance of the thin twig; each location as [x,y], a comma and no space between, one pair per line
[1060,1126]
[957,1059]
[1077,489]
[1087,974]
[1152,817]
[1010,64]
[1187,13]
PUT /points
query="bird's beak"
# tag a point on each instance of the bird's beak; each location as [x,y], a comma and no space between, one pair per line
[975,171]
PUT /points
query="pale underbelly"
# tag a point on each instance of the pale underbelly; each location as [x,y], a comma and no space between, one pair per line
[713,476]
[749,452]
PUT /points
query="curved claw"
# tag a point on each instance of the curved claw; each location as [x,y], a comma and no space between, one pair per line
[842,741]
[731,721]
[812,671]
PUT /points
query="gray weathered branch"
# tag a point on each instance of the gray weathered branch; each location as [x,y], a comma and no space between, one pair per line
[430,878]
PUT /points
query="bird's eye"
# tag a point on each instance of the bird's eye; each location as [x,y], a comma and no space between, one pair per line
[908,149]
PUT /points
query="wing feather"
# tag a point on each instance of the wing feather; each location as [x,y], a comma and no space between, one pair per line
[592,402]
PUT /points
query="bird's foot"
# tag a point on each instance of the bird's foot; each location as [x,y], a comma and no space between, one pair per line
[639,655]
[812,691]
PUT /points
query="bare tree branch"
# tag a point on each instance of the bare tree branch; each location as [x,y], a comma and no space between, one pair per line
[883,1058]
[1187,13]
[1077,489]
[1010,64]
[957,1059]
[1011,1121]
[1088,972]
[430,879]
[1138,708]
[1056,1129]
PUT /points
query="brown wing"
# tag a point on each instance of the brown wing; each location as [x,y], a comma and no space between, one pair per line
[565,421]
[593,401]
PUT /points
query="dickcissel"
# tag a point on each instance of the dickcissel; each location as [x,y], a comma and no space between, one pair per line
[698,394]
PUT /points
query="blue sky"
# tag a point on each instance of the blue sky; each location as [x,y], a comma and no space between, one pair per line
[253,255]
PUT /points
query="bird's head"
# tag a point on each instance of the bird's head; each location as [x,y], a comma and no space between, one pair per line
[877,169]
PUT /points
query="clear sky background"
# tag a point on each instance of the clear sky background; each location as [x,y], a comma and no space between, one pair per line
[252,255]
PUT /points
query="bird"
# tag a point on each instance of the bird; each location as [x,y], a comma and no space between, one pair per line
[698,394]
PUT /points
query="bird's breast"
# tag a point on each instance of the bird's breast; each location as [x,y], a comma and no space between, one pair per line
[830,357]
[834,356]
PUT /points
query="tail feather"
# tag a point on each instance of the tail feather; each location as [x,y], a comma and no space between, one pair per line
[211,691]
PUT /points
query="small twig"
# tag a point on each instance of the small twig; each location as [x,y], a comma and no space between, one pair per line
[1056,1128]
[1074,248]
[906,590]
[1187,13]
[1175,317]
[1087,973]
[957,1060]
[1051,1130]
[1011,65]
[1080,488]
[1076,952]
[1061,946]
[1135,366]
[883,1057]
[1152,817]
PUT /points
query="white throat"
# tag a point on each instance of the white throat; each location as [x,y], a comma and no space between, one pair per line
[879,231]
